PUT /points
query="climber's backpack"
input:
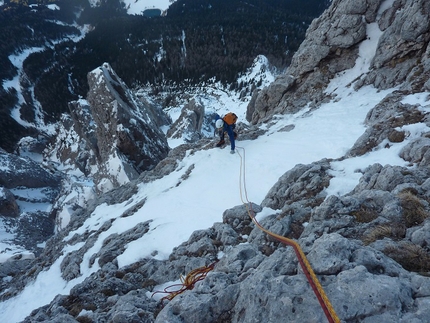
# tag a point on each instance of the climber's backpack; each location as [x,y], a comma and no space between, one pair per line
[230,118]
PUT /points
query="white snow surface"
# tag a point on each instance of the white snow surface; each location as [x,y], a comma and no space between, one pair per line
[177,207]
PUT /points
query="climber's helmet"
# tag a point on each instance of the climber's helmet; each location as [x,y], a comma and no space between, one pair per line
[219,123]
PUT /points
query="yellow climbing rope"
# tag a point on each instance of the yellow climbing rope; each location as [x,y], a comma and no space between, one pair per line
[304,263]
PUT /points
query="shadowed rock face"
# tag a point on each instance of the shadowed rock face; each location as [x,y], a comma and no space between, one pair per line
[122,133]
[21,171]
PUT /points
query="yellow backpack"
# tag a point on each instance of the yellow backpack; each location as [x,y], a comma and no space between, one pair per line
[230,118]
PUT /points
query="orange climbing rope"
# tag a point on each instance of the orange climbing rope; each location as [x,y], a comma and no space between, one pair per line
[304,263]
[187,283]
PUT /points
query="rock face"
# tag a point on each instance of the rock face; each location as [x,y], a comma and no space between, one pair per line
[388,120]
[113,131]
[189,124]
[332,45]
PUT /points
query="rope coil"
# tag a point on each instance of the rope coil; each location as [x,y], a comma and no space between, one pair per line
[187,283]
[304,263]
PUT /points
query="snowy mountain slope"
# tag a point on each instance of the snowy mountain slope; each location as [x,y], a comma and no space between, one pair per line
[177,207]
[166,221]
[81,188]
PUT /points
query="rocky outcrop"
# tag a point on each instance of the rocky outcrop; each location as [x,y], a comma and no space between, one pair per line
[388,121]
[332,45]
[113,131]
[402,53]
[342,26]
[355,259]
[418,151]
[190,122]
[303,181]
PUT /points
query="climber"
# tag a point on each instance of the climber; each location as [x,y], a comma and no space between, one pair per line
[226,124]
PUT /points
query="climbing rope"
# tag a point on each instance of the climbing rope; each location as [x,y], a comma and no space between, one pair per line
[187,283]
[304,263]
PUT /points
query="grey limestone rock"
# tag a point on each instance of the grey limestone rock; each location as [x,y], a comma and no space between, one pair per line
[331,254]
[114,124]
[421,236]
[382,122]
[417,151]
[374,294]
[190,122]
[298,183]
